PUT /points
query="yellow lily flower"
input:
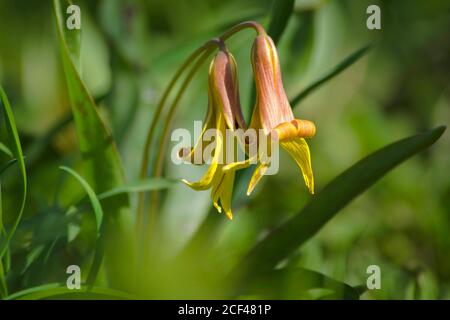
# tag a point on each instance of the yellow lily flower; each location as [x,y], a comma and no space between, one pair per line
[224,112]
[273,113]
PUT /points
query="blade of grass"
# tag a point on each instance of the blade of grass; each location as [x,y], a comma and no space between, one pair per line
[56,289]
[17,153]
[280,243]
[5,150]
[344,64]
[145,185]
[7,165]
[139,186]
[98,211]
[96,206]
[3,285]
[101,159]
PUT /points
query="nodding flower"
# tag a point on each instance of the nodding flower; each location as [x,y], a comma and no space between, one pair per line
[224,112]
[273,113]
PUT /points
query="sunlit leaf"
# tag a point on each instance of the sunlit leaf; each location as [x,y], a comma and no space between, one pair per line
[101,159]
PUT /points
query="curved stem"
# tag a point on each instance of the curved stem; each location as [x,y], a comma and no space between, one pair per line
[243,25]
[156,117]
[207,50]
[158,166]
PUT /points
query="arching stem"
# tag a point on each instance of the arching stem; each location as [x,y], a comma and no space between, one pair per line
[142,226]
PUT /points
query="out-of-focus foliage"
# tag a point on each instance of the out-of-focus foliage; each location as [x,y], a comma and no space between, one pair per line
[129,51]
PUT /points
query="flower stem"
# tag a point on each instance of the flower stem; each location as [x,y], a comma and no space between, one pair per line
[144,227]
[151,131]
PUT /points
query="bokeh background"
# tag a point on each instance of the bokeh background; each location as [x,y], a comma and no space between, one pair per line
[130,49]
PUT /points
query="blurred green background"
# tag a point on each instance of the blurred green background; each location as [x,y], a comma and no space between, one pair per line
[130,49]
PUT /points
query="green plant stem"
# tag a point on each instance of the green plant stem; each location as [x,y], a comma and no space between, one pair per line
[151,131]
[207,49]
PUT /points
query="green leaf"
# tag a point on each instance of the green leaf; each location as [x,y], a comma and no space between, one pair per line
[96,206]
[344,64]
[17,153]
[285,239]
[144,185]
[138,186]
[57,289]
[3,285]
[103,169]
[98,211]
[5,150]
[7,165]
[280,14]
[294,283]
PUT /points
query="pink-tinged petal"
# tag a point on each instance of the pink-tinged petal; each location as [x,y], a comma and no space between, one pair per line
[271,100]
[225,89]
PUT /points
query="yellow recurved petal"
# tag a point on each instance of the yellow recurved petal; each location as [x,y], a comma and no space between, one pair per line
[222,192]
[257,175]
[235,166]
[194,155]
[299,150]
[206,181]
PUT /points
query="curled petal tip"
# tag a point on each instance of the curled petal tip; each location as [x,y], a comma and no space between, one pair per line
[305,128]
[219,209]
[229,215]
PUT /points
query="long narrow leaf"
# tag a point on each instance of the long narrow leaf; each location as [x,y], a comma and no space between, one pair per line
[7,165]
[144,185]
[103,169]
[344,64]
[280,14]
[291,283]
[5,150]
[16,149]
[3,286]
[57,289]
[338,193]
[98,211]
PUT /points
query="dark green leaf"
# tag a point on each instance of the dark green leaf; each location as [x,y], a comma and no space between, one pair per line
[5,150]
[293,283]
[7,165]
[280,14]
[284,240]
